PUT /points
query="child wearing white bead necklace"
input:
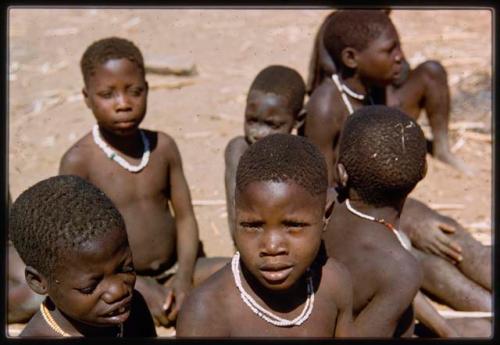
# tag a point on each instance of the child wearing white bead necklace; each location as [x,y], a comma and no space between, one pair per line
[74,244]
[280,282]
[141,172]
[381,159]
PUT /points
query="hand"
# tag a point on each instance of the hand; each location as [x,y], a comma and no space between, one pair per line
[175,298]
[433,237]
[155,295]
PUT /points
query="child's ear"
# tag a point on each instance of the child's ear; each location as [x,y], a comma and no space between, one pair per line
[349,57]
[36,281]
[86,97]
[300,118]
[331,196]
[342,176]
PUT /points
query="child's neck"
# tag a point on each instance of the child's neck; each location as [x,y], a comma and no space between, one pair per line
[282,301]
[77,328]
[131,143]
[390,213]
[354,82]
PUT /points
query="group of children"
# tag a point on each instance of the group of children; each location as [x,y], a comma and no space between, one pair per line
[327,242]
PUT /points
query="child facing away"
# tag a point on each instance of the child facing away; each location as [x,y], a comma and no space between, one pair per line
[74,243]
[141,172]
[381,159]
[366,53]
[274,104]
[424,87]
[279,283]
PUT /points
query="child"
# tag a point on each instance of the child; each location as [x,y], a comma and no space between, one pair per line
[424,87]
[274,105]
[279,284]
[141,172]
[364,47]
[381,159]
[74,244]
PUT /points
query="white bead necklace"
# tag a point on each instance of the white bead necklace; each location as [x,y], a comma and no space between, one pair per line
[111,154]
[343,89]
[404,243]
[266,314]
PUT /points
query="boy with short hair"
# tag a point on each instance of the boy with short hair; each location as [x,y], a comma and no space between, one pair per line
[74,244]
[411,90]
[381,159]
[280,284]
[141,172]
[274,104]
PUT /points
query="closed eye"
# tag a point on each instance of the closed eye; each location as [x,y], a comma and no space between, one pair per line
[88,290]
[251,226]
[294,225]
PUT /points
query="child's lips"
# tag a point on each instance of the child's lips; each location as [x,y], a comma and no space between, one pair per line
[276,274]
[119,314]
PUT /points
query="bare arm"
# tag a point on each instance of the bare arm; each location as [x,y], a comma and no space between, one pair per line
[186,226]
[234,150]
[398,284]
[201,316]
[428,315]
[344,326]
[73,163]
[321,125]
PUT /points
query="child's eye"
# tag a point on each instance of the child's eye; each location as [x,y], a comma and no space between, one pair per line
[251,226]
[87,290]
[136,92]
[294,226]
[128,269]
[106,95]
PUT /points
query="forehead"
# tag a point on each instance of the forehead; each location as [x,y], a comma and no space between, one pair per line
[94,254]
[271,194]
[387,37]
[262,99]
[115,69]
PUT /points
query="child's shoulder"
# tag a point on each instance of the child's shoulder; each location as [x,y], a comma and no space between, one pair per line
[335,273]
[324,97]
[37,327]
[207,305]
[79,151]
[236,146]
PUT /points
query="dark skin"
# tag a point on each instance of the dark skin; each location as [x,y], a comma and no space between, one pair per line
[413,90]
[381,308]
[265,113]
[116,93]
[91,292]
[279,226]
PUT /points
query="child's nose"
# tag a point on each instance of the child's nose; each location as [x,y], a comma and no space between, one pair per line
[273,244]
[122,102]
[116,290]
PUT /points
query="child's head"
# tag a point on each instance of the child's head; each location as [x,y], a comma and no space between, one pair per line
[281,185]
[115,85]
[365,41]
[274,102]
[74,244]
[381,155]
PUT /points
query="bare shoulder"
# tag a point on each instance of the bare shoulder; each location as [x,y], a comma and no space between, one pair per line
[165,145]
[336,274]
[401,269]
[75,159]
[323,99]
[235,148]
[37,327]
[204,310]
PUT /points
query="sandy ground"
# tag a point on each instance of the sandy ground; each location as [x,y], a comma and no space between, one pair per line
[229,47]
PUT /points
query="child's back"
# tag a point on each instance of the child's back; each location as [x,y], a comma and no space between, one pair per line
[381,159]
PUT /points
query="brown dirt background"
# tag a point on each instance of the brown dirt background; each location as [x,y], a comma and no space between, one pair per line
[229,47]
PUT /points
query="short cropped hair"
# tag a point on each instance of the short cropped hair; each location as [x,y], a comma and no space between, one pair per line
[58,215]
[283,81]
[107,49]
[282,158]
[383,151]
[353,28]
